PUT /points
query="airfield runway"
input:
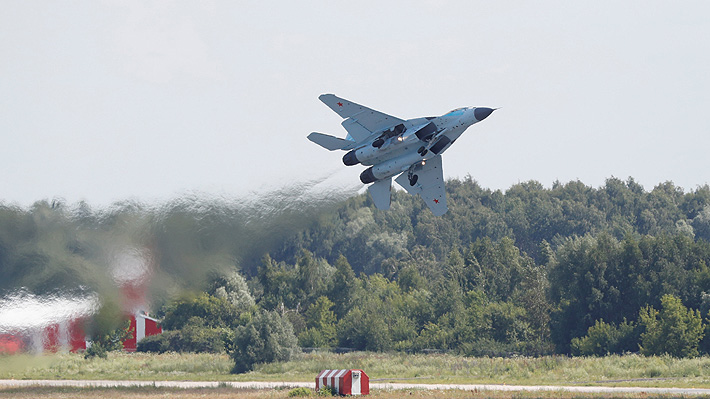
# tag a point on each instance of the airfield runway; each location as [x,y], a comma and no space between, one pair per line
[385,386]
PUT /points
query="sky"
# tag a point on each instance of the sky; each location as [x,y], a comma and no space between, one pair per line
[103,101]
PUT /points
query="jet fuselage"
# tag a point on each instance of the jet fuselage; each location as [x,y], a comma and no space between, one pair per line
[412,143]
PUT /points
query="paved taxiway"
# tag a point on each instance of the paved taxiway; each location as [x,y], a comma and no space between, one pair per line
[377,385]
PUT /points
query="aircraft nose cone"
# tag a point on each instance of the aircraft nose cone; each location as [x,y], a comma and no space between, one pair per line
[482,113]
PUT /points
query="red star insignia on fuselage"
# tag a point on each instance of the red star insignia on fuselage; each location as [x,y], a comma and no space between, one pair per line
[340,104]
[436,200]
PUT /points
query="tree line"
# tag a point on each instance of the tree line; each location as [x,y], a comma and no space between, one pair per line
[568,269]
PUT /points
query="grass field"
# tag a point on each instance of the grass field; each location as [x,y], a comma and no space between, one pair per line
[224,393]
[628,370]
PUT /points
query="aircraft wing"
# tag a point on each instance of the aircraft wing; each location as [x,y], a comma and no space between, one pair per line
[360,122]
[429,185]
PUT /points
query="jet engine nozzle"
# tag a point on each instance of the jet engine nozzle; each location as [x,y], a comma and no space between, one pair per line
[367,176]
[350,158]
[482,113]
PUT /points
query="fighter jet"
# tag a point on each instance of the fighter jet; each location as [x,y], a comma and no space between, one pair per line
[392,146]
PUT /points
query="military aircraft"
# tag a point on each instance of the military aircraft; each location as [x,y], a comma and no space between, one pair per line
[391,146]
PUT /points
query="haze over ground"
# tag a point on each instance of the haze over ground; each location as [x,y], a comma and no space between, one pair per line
[109,100]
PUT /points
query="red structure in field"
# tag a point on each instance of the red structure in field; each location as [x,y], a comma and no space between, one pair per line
[69,335]
[132,273]
[344,382]
[65,335]
[31,323]
[141,326]
[44,323]
[51,323]
[10,344]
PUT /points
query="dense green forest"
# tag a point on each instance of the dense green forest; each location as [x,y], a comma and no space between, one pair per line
[532,270]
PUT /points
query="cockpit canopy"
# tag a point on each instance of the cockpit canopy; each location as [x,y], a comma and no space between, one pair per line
[457,110]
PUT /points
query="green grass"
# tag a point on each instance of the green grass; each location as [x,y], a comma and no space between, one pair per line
[229,393]
[628,370]
[552,370]
[118,366]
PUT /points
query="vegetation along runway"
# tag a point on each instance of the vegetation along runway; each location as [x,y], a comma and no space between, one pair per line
[374,386]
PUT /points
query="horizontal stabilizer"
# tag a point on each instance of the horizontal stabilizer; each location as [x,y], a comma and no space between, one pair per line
[330,142]
[381,192]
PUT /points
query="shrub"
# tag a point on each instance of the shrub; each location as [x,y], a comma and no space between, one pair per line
[96,350]
[327,391]
[159,343]
[192,338]
[603,339]
[196,337]
[301,391]
[111,341]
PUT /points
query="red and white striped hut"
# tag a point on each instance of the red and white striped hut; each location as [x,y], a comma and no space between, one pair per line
[142,326]
[345,382]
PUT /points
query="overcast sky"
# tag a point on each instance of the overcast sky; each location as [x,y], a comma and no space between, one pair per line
[111,100]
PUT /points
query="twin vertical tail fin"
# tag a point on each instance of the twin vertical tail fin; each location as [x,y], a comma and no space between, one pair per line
[381,192]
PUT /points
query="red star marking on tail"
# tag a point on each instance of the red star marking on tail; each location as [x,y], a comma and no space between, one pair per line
[436,200]
[340,104]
